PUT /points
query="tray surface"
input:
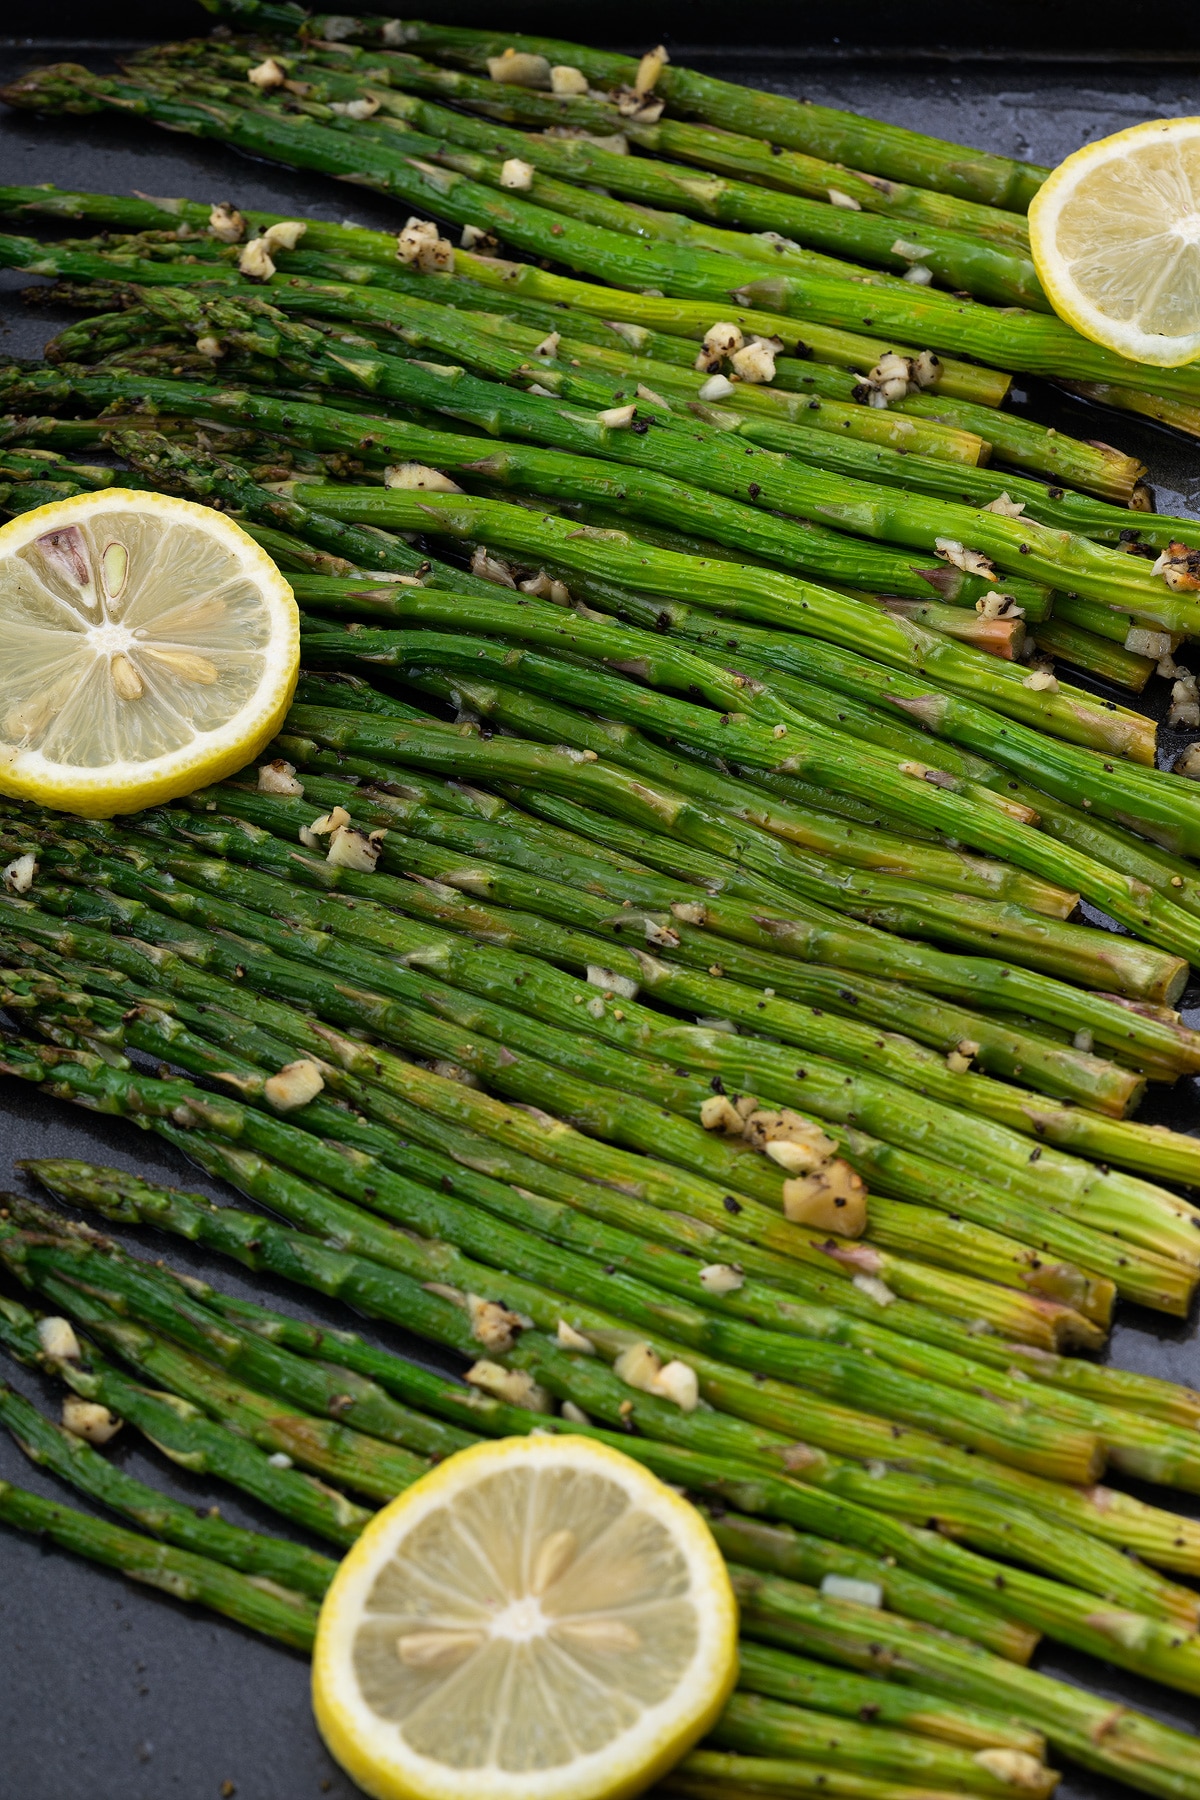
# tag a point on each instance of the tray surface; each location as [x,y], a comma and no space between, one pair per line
[113,1692]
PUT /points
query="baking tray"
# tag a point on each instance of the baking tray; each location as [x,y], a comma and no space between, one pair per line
[115,1693]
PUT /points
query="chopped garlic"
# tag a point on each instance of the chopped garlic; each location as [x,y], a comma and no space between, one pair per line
[419,475]
[755,361]
[971,562]
[1005,506]
[520,68]
[721,1279]
[1144,641]
[874,1289]
[546,587]
[575,1414]
[493,1325]
[57,1339]
[638,1367]
[723,338]
[927,369]
[279,1459]
[285,234]
[1188,762]
[620,985]
[717,387]
[322,826]
[957,1063]
[846,1587]
[421,243]
[1185,701]
[1083,1040]
[19,874]
[1041,681]
[515,173]
[567,80]
[549,345]
[833,1198]
[208,345]
[1179,568]
[366,108]
[677,1381]
[353,849]
[999,606]
[490,568]
[651,398]
[846,201]
[910,252]
[516,1386]
[617,418]
[267,75]
[718,1113]
[649,70]
[570,1339]
[87,1419]
[472,235]
[295,1085]
[254,260]
[279,777]
[1016,1768]
[226,223]
[920,274]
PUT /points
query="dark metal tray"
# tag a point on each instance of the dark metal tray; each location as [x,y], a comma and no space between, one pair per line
[115,1693]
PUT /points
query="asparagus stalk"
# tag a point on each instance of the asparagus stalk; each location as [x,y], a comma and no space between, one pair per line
[180,1573]
[285,1565]
[578,856]
[370,255]
[1025,1317]
[847,137]
[187,1436]
[1061,950]
[459,854]
[712,147]
[965,673]
[37,1259]
[846,1695]
[1022,549]
[831,1373]
[1162,1537]
[1003,274]
[1134,1209]
[1136,1445]
[1033,342]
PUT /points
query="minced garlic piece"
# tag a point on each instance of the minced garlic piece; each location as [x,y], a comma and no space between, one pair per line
[493,1325]
[971,562]
[19,874]
[279,777]
[87,1419]
[845,201]
[567,80]
[1041,681]
[516,1386]
[57,1339]
[833,1198]
[1005,506]
[721,1279]
[411,475]
[516,173]
[490,568]
[570,1339]
[755,361]
[295,1085]
[226,223]
[267,75]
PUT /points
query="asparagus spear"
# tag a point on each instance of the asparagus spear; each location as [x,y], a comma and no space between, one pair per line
[834,1374]
[285,1565]
[847,137]
[1133,1444]
[1025,1317]
[1161,1537]
[1003,274]
[801,929]
[1134,1209]
[970,675]
[712,147]
[180,1573]
[846,1695]
[37,1259]
[1033,342]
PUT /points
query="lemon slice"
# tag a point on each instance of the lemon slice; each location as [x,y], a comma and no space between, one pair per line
[149,647]
[538,1619]
[1115,233]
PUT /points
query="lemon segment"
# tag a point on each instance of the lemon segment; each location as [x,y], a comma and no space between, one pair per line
[1115,234]
[148,646]
[539,1618]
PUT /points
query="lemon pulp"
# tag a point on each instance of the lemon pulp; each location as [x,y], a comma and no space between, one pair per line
[148,646]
